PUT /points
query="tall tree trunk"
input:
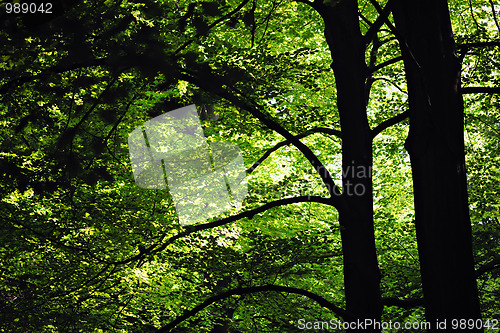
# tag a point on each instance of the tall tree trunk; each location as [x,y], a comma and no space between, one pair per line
[436,147]
[361,272]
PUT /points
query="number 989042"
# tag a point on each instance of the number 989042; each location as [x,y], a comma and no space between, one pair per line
[28,8]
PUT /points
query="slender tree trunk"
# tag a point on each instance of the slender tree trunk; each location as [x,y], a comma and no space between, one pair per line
[361,272]
[436,147]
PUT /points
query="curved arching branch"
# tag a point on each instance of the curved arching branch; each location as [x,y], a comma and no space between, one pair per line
[155,248]
[389,122]
[250,290]
[392,83]
[324,130]
[386,63]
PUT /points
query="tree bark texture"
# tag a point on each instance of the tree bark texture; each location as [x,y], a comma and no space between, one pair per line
[361,271]
[436,147]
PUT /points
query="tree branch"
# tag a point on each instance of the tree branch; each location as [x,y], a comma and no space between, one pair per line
[153,249]
[210,83]
[231,13]
[249,290]
[386,63]
[494,15]
[254,24]
[288,142]
[473,16]
[365,19]
[480,90]
[389,122]
[488,267]
[478,44]
[464,48]
[416,302]
[250,214]
[372,32]
[389,81]
[395,31]
[267,19]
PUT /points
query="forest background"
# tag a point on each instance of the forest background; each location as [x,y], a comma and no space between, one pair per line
[309,91]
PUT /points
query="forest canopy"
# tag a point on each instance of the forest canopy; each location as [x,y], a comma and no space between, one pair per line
[369,139]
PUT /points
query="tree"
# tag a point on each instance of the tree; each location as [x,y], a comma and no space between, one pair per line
[361,272]
[86,249]
[435,144]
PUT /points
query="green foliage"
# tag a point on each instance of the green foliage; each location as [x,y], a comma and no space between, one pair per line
[81,242]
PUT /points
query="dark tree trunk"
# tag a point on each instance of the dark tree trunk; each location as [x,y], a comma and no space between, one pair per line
[436,147]
[361,272]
